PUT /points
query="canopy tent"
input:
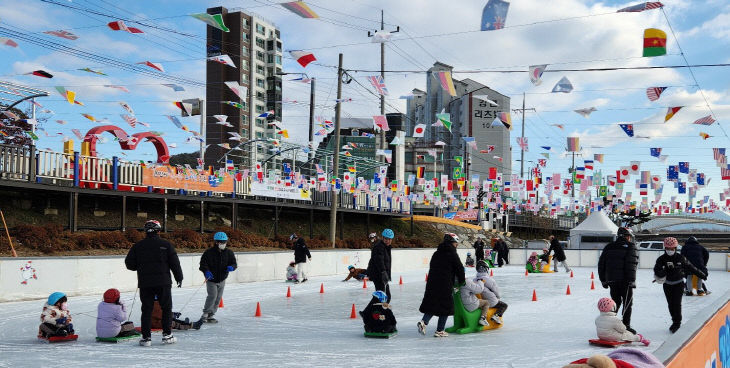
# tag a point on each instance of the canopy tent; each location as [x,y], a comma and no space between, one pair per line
[594,232]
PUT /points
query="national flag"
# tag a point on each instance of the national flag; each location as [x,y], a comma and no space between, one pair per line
[8,42]
[266,114]
[351,168]
[588,164]
[563,86]
[152,65]
[643,189]
[707,120]
[284,133]
[213,20]
[380,122]
[89,70]
[684,167]
[223,59]
[671,111]
[63,34]
[445,119]
[522,142]
[641,7]
[725,172]
[655,152]
[237,88]
[300,8]
[121,88]
[506,119]
[672,172]
[717,153]
[420,171]
[302,57]
[586,112]
[471,141]
[536,72]
[573,144]
[681,187]
[120,26]
[446,82]
[628,129]
[175,121]
[494,15]
[704,135]
[233,103]
[653,93]
[419,130]
[655,42]
[131,120]
[379,84]
[174,87]
[634,167]
[41,73]
[542,162]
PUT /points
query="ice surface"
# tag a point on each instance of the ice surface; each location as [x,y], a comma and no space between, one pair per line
[312,329]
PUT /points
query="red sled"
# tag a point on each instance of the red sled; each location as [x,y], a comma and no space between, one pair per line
[139,329]
[608,344]
[55,339]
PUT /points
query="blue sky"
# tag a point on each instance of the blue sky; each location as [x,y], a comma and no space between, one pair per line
[597,37]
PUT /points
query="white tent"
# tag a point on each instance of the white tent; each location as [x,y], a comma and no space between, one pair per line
[594,232]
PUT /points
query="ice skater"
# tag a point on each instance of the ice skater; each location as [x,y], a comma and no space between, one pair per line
[215,264]
[558,253]
[610,328]
[301,255]
[378,270]
[617,270]
[357,273]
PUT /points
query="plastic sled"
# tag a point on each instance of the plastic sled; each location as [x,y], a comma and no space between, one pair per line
[608,344]
[468,322]
[139,329]
[117,339]
[292,281]
[55,339]
[531,269]
[381,335]
[546,268]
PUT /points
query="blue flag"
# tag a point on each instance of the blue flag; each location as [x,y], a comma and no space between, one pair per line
[684,167]
[494,15]
[672,173]
[656,152]
[629,129]
[682,187]
[700,179]
[563,86]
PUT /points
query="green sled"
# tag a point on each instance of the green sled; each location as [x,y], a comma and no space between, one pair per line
[468,322]
[381,335]
[117,339]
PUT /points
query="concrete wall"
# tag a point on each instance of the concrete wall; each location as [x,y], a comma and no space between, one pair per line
[93,275]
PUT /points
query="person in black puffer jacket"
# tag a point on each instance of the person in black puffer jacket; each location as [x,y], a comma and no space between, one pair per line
[215,264]
[669,270]
[479,249]
[301,254]
[153,258]
[438,299]
[378,270]
[559,253]
[698,256]
[617,270]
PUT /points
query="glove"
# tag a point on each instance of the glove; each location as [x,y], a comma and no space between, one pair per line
[230,268]
[179,284]
[632,284]
[208,275]
[605,285]
[384,276]
[61,321]
[703,275]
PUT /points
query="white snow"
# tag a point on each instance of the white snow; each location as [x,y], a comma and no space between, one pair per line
[312,329]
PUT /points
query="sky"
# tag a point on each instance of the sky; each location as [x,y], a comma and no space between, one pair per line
[568,34]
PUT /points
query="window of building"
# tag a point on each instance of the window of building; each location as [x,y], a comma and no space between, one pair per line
[260,69]
[278,59]
[244,77]
[259,109]
[245,23]
[260,29]
[260,43]
[245,37]
[260,123]
[269,135]
[259,135]
[278,46]
[244,133]
[269,45]
[244,50]
[244,119]
[260,56]
[260,83]
[244,64]
[260,96]
[270,58]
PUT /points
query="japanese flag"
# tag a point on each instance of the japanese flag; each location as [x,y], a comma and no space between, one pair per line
[419,130]
[635,167]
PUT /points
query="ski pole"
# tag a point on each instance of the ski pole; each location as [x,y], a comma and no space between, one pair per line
[134,299]
[191,297]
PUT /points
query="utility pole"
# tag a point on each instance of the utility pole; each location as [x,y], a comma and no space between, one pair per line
[336,160]
[311,120]
[381,136]
[572,179]
[522,151]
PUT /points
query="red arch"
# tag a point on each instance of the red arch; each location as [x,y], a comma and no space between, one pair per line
[126,142]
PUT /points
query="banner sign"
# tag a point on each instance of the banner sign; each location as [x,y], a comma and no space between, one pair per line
[170,177]
[273,190]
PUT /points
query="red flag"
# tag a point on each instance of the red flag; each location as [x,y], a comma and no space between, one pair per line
[492,173]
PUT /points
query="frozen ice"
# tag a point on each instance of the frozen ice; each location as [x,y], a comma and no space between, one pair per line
[313,329]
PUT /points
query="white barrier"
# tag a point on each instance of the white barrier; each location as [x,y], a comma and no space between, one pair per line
[93,275]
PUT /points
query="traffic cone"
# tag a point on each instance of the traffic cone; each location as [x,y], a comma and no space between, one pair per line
[401,281]
[534,295]
[526,272]
[220,305]
[353,315]
[591,275]
[288,291]
[567,292]
[593,287]
[571,273]
[321,288]
[258,310]
[491,272]
[364,284]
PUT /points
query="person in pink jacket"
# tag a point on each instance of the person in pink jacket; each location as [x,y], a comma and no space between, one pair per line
[111,317]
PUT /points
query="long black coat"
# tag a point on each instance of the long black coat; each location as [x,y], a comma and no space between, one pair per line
[438,299]
[696,254]
[379,264]
[618,262]
[479,249]
[557,248]
[153,258]
[301,252]
[217,261]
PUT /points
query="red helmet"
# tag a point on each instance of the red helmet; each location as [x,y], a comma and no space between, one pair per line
[111,296]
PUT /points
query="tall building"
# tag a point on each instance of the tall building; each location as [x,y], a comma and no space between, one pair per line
[254,45]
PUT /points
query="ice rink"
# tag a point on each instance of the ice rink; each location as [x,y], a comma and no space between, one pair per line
[313,329]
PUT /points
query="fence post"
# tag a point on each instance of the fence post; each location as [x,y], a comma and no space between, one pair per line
[115,173]
[32,164]
[77,163]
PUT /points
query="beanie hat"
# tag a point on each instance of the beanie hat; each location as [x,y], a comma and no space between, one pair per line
[111,296]
[534,254]
[606,305]
[481,276]
[670,242]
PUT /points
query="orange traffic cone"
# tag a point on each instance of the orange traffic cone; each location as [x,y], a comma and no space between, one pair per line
[534,295]
[258,310]
[288,291]
[526,272]
[401,281]
[591,275]
[593,287]
[364,284]
[353,315]
[220,305]
[491,272]
[567,292]
[321,288]
[571,273]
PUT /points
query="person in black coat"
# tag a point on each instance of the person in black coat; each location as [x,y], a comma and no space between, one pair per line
[669,270]
[438,299]
[216,262]
[378,270]
[153,258]
[617,270]
[698,256]
[558,253]
[479,249]
[301,254]
[502,252]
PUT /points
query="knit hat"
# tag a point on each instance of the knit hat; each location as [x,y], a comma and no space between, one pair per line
[670,242]
[111,296]
[534,254]
[481,276]
[606,305]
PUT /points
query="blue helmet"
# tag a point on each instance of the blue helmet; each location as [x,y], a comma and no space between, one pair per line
[381,296]
[220,236]
[350,267]
[388,234]
[55,297]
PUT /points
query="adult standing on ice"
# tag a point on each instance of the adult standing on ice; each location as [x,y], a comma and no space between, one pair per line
[153,258]
[559,253]
[301,254]
[216,262]
[479,248]
[438,299]
[698,256]
[379,265]
[617,271]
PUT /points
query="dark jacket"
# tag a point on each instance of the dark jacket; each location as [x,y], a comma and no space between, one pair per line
[618,262]
[379,264]
[557,248]
[479,249]
[301,252]
[378,319]
[673,267]
[217,261]
[545,257]
[438,299]
[153,258]
[696,254]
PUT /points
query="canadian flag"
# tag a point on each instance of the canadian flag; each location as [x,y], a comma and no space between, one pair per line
[120,26]
[302,57]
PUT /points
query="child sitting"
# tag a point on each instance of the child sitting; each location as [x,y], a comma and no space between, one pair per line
[377,316]
[469,261]
[291,273]
[544,257]
[610,328]
[489,257]
[357,273]
[490,292]
[532,263]
[110,317]
[469,292]
[176,324]
[55,318]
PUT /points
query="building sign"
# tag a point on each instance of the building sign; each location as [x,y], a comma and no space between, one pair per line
[169,177]
[479,125]
[278,191]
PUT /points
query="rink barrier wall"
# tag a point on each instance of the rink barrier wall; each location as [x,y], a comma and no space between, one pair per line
[95,274]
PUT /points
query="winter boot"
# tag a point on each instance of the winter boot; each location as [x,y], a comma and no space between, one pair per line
[421,327]
[483,321]
[628,328]
[674,327]
[197,324]
[643,340]
[211,320]
[700,293]
[440,334]
[169,339]
[145,342]
[689,293]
